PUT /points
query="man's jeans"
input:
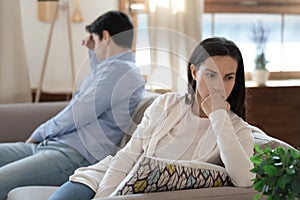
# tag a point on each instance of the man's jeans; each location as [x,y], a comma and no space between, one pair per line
[46,163]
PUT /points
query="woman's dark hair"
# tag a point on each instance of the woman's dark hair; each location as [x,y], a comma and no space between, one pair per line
[117,24]
[220,47]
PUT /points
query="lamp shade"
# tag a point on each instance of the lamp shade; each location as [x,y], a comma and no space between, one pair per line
[45,10]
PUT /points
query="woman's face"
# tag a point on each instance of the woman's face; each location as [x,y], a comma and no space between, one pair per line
[216,75]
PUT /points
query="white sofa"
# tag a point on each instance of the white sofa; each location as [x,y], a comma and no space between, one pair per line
[216,193]
[17,121]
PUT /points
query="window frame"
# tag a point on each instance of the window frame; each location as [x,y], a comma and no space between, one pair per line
[253,6]
[234,6]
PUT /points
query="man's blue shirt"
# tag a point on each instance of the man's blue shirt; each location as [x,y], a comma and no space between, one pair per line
[98,115]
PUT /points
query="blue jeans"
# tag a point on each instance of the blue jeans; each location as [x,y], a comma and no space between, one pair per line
[46,163]
[74,191]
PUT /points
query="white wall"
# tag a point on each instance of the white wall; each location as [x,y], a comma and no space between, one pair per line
[58,74]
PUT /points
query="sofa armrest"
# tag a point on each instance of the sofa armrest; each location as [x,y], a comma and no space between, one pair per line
[17,121]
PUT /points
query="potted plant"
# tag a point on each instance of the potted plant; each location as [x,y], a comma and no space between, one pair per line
[277,173]
[260,35]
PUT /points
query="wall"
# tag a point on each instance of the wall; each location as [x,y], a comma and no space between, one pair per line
[35,33]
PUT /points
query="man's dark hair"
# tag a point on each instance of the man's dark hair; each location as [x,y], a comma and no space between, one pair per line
[117,24]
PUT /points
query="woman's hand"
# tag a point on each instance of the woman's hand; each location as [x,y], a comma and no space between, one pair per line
[214,102]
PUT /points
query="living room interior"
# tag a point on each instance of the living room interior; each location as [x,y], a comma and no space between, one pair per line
[43,60]
[273,106]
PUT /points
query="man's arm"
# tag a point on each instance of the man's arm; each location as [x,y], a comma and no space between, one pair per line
[86,106]
[90,45]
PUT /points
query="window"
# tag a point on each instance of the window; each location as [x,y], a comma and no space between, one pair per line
[237,27]
[291,42]
[233,19]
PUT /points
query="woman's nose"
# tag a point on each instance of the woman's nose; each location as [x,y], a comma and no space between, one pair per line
[218,87]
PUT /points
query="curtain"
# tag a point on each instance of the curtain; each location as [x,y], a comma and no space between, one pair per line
[14,79]
[175,30]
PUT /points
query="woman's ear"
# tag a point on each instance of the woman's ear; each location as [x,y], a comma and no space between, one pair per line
[193,71]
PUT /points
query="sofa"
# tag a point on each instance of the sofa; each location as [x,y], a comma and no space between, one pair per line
[17,121]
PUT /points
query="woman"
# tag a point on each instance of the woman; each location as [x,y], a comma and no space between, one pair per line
[206,125]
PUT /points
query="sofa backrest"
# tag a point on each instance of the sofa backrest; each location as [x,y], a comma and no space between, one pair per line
[138,114]
[18,120]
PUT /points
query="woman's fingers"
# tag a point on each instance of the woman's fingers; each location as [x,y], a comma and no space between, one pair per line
[214,102]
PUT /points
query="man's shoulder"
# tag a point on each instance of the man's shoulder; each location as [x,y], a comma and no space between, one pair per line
[125,60]
[116,67]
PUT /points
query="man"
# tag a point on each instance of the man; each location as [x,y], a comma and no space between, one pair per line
[90,127]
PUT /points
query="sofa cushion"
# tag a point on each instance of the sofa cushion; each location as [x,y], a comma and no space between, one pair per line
[156,175]
[31,193]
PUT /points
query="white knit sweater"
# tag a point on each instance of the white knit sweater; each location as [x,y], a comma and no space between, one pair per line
[227,140]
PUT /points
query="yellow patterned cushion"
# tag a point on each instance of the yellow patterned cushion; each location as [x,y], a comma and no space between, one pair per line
[156,175]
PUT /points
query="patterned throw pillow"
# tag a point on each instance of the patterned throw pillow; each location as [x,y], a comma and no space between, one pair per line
[156,175]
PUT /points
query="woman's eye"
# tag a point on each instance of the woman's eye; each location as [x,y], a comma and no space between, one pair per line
[210,75]
[230,77]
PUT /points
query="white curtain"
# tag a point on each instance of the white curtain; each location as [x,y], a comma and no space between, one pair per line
[174,33]
[14,80]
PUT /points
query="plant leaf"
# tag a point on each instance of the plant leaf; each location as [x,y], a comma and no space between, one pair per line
[270,197]
[257,148]
[256,159]
[258,186]
[290,170]
[295,154]
[270,170]
[281,182]
[296,186]
[257,196]
[270,181]
[280,151]
[285,159]
[288,178]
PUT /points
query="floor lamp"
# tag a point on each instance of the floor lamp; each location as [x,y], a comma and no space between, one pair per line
[64,6]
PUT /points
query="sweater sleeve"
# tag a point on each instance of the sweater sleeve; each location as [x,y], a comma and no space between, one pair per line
[91,175]
[129,155]
[236,147]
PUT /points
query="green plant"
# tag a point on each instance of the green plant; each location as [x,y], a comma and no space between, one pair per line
[277,173]
[260,36]
[260,61]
